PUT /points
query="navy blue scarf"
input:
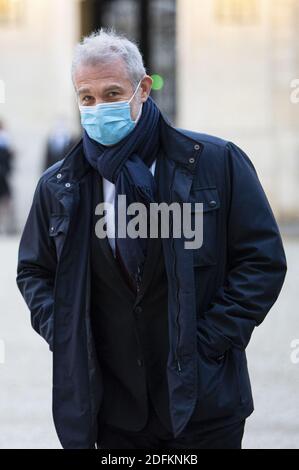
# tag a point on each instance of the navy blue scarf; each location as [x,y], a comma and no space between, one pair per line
[126,164]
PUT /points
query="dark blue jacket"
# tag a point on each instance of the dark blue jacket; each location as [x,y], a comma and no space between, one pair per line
[217,293]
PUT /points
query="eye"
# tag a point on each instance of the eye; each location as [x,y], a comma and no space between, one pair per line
[87,99]
[112,94]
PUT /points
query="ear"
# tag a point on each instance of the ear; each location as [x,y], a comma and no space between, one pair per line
[146,86]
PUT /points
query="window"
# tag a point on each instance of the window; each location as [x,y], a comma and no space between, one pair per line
[236,11]
[10,11]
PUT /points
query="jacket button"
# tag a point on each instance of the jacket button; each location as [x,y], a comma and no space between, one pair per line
[212,203]
[138,309]
[196,147]
[191,160]
[140,362]
[67,185]
[58,175]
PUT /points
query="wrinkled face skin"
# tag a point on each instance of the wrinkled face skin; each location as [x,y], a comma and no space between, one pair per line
[109,82]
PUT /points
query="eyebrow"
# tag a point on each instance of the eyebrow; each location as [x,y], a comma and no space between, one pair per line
[113,87]
[105,90]
[83,90]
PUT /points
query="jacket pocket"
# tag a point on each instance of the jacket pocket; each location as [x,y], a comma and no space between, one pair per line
[206,255]
[57,230]
[218,386]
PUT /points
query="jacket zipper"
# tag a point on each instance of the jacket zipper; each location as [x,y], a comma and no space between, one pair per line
[178,313]
[177,358]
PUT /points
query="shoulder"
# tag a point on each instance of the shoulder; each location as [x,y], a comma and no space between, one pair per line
[41,187]
[70,158]
[207,140]
[51,170]
[217,146]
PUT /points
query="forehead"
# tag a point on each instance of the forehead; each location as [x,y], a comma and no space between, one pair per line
[102,75]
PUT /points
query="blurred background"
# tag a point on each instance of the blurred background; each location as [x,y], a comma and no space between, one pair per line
[223,67]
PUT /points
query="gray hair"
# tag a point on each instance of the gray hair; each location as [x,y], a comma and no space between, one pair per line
[105,45]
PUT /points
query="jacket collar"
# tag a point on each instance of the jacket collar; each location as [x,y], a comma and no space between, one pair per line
[178,145]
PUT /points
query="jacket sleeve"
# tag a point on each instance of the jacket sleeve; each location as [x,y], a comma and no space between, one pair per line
[256,261]
[37,266]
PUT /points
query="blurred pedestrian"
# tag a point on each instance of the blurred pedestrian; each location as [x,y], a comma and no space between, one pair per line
[59,142]
[6,198]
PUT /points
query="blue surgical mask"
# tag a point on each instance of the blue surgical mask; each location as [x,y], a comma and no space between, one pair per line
[108,123]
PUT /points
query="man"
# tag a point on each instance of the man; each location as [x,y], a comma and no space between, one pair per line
[148,337]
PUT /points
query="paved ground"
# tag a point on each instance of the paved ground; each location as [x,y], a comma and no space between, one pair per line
[25,376]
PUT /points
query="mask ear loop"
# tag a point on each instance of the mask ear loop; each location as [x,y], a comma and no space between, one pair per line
[135,90]
[140,110]
[139,114]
